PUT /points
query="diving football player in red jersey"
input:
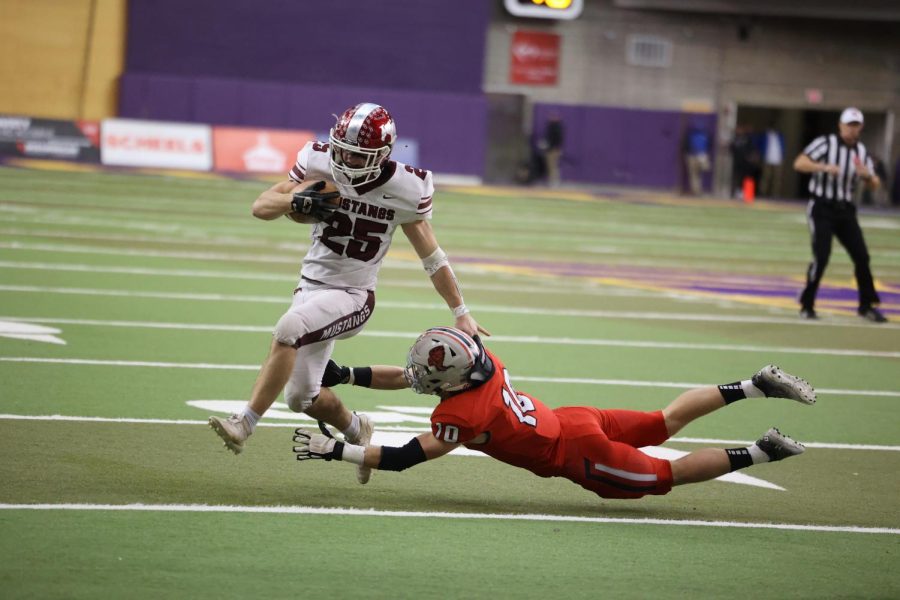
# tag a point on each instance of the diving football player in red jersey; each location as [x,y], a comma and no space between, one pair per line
[597,449]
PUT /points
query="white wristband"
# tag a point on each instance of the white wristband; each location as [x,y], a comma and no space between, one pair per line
[460,310]
[354,454]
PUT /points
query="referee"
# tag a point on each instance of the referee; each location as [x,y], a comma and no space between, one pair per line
[835,161]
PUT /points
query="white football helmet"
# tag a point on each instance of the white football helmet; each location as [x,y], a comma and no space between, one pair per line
[361,142]
[445,359]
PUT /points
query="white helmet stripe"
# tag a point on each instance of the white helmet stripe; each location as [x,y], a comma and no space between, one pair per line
[356,121]
[460,343]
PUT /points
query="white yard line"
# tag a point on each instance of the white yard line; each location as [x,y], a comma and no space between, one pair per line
[255,367]
[142,271]
[409,335]
[187,240]
[559,288]
[410,430]
[369,512]
[217,256]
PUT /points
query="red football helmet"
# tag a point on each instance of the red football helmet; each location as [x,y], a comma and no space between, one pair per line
[361,142]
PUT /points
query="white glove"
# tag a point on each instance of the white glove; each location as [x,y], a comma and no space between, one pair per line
[315,445]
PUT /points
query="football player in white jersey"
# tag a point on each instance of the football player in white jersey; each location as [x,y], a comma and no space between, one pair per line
[336,293]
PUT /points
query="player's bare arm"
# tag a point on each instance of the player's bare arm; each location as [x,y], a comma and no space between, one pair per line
[377,377]
[275,201]
[435,261]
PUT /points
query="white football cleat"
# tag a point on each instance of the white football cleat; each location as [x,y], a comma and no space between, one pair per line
[366,428]
[775,383]
[234,431]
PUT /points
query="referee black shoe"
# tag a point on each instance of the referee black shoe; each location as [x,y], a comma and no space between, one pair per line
[872,314]
[808,313]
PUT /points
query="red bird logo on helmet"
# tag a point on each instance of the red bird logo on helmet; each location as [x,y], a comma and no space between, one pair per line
[436,358]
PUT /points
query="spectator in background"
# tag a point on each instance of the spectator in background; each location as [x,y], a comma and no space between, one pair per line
[553,147]
[771,150]
[745,159]
[534,167]
[696,157]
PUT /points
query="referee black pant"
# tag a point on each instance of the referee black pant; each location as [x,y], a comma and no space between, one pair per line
[829,218]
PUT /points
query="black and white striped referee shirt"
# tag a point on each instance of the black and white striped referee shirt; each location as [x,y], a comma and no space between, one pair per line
[832,150]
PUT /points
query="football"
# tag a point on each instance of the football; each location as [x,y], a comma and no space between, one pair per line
[308,219]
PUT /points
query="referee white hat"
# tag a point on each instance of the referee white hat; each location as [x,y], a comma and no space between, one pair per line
[851,115]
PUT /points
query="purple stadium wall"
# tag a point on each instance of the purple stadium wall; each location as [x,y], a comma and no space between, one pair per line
[407,44]
[292,64]
[450,128]
[623,146]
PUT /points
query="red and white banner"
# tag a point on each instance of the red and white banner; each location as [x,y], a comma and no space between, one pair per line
[534,58]
[248,150]
[131,143]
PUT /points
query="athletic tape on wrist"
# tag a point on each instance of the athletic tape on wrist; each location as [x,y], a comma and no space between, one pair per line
[354,454]
[460,310]
[434,261]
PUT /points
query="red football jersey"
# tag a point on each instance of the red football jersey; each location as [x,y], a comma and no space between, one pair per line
[522,431]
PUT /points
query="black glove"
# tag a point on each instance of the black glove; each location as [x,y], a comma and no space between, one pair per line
[335,374]
[314,203]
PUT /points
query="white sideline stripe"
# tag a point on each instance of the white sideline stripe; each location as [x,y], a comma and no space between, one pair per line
[129,294]
[371,512]
[598,314]
[717,442]
[218,256]
[563,341]
[567,288]
[484,308]
[83,268]
[649,316]
[285,298]
[223,367]
[558,288]
[227,242]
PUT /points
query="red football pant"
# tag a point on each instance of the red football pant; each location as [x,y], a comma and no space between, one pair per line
[601,451]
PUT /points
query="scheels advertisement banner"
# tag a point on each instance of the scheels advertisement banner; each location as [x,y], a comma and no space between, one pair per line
[29,137]
[165,145]
[131,143]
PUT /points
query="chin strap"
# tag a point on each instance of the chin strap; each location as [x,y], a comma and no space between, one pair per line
[483,369]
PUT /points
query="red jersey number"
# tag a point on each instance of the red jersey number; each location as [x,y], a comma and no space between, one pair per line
[420,173]
[448,433]
[519,404]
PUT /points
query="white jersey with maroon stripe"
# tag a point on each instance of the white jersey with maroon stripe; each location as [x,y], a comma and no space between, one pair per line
[347,250]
